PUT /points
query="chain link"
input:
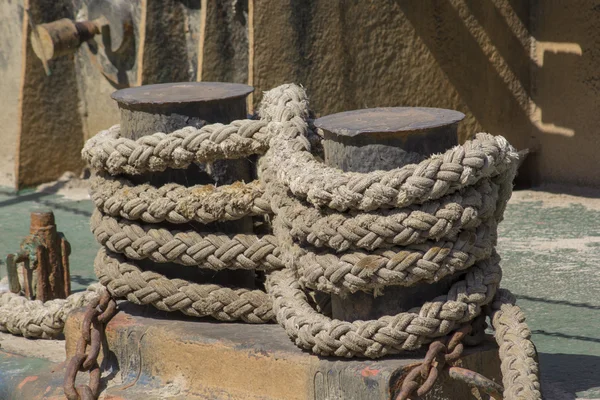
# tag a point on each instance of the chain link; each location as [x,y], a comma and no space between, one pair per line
[97,314]
[442,352]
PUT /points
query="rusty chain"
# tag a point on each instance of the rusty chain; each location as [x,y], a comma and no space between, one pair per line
[97,314]
[442,352]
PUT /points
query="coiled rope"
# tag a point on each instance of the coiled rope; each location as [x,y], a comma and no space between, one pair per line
[334,232]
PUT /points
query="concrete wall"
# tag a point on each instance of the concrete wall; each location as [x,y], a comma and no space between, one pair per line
[98,110]
[525,69]
[46,119]
[465,55]
[11,13]
[224,45]
[50,124]
[567,90]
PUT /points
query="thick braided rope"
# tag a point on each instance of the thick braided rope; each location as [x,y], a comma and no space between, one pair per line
[351,272]
[124,279]
[285,114]
[517,353]
[36,319]
[443,232]
[175,203]
[386,335]
[373,271]
[432,220]
[445,213]
[208,250]
[484,157]
[361,271]
[110,152]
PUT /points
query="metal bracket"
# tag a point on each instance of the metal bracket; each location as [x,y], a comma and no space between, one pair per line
[110,20]
[44,252]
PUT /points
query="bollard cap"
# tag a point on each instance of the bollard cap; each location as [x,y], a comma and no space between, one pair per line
[388,120]
[169,94]
[41,217]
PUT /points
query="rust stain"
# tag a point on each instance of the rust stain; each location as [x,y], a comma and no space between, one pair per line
[27,380]
[367,372]
[118,321]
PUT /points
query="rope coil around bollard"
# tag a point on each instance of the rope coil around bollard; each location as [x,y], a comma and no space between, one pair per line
[332,231]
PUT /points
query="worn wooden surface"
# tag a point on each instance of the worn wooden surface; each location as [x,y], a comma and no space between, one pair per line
[51,129]
[169,29]
[223,54]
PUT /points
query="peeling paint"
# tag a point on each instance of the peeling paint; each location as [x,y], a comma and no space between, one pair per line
[26,381]
[367,372]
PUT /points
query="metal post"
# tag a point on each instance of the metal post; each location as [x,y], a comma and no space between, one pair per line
[170,106]
[384,139]
[49,244]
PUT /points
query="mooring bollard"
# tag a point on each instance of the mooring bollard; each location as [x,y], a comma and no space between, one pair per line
[171,106]
[45,251]
[384,139]
[168,107]
[242,359]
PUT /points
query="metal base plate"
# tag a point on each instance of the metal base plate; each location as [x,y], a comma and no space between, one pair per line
[207,359]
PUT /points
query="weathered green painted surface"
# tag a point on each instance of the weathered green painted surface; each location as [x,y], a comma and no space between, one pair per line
[17,371]
[550,246]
